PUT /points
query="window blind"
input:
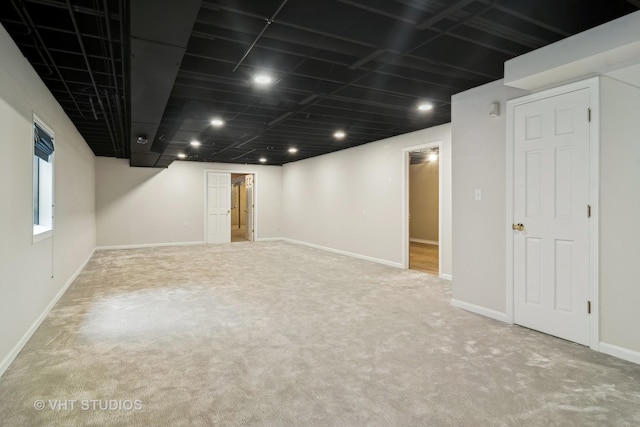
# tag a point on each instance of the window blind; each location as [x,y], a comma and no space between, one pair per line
[43,143]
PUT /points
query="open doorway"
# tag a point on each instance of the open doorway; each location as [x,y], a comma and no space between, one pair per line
[242,207]
[423,205]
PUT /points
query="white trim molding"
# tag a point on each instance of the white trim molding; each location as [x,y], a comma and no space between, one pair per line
[426,242]
[148,245]
[448,277]
[483,311]
[346,253]
[6,362]
[620,352]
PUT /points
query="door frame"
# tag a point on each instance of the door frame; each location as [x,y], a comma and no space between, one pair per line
[255,198]
[252,202]
[405,201]
[593,85]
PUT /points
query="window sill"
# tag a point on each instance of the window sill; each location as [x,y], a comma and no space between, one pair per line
[41,233]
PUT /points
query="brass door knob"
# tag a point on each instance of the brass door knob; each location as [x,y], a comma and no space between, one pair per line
[519,227]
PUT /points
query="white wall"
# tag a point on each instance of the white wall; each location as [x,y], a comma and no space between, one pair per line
[479,227]
[352,200]
[619,213]
[139,206]
[26,286]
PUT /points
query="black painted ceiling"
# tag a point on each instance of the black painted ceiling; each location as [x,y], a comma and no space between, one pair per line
[360,66]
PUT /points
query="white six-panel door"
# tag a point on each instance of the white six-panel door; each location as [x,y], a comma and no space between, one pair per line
[218,207]
[551,197]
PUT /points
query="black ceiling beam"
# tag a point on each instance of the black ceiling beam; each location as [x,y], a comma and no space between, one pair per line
[159,34]
[80,9]
[59,30]
[124,69]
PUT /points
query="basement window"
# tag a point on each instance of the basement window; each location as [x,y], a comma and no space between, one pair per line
[42,181]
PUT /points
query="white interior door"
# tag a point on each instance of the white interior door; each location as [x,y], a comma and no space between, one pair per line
[248,184]
[551,196]
[218,207]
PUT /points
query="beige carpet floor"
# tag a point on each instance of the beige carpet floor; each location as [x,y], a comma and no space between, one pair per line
[274,334]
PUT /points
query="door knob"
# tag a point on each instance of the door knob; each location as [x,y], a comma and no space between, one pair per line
[519,227]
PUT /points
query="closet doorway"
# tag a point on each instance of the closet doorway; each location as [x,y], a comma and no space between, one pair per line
[242,207]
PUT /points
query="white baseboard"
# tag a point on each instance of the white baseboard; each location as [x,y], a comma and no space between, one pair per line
[270,239]
[446,277]
[426,242]
[350,254]
[148,245]
[487,312]
[4,365]
[620,352]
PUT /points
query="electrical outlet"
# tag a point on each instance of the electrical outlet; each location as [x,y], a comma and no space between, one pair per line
[478,194]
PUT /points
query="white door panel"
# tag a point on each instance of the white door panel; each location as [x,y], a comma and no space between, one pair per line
[551,194]
[250,206]
[218,207]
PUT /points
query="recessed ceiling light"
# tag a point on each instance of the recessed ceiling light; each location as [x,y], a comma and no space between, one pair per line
[182,156]
[263,79]
[263,160]
[293,150]
[195,143]
[339,134]
[433,157]
[425,106]
[217,122]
